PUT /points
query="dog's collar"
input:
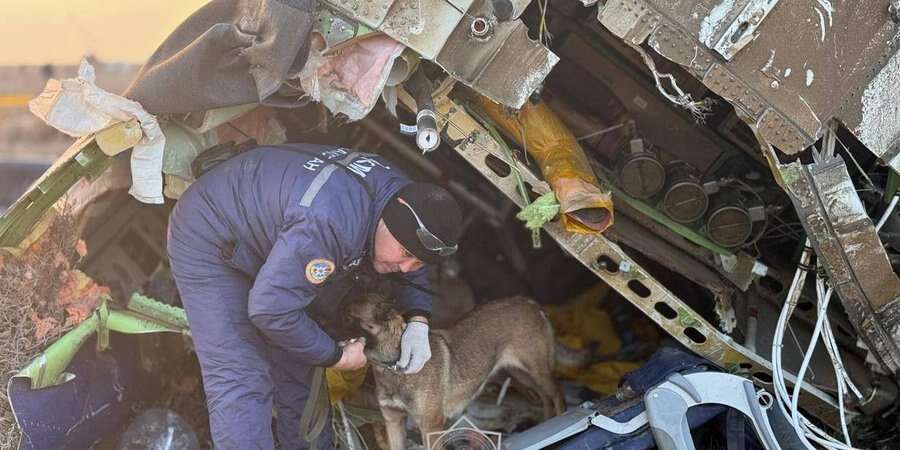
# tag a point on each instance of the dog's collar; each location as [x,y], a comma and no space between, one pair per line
[383,365]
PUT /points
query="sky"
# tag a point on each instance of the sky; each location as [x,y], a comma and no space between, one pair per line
[62,31]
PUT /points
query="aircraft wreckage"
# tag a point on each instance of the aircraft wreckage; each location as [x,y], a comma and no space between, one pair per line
[728,167]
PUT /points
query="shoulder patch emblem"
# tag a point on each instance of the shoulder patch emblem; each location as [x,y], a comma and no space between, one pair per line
[318,270]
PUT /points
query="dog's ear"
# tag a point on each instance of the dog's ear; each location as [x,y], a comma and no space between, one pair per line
[383,307]
[384,312]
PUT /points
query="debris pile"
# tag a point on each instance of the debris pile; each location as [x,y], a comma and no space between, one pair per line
[42,296]
[174,365]
[169,359]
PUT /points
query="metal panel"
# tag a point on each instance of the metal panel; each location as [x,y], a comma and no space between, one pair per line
[807,61]
[878,112]
[371,13]
[466,39]
[505,65]
[423,25]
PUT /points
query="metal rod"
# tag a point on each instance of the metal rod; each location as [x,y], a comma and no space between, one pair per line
[601,131]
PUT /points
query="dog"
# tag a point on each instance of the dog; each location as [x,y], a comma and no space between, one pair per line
[512,335]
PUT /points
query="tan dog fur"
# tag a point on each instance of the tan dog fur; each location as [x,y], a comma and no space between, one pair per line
[509,334]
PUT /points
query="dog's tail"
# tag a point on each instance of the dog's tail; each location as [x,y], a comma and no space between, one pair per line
[557,398]
[571,358]
[550,335]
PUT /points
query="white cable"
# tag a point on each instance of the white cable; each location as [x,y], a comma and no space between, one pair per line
[601,131]
[698,108]
[840,396]
[807,358]
[781,394]
[842,378]
[834,354]
[808,432]
[805,429]
[800,423]
[825,439]
[887,212]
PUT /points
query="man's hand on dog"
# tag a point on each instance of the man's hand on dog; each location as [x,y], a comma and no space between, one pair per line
[353,356]
[415,350]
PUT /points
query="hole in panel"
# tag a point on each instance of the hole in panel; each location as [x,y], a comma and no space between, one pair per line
[694,335]
[606,263]
[639,288]
[498,166]
[665,310]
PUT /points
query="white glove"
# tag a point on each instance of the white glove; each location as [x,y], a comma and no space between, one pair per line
[415,350]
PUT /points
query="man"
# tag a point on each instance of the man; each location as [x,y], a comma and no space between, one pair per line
[264,246]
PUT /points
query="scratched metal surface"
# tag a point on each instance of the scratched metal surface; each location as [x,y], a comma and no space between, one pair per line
[809,61]
[848,246]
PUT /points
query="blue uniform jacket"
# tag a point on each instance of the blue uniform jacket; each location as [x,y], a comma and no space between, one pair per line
[289,221]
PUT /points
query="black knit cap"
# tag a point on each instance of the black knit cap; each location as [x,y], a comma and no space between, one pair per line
[437,210]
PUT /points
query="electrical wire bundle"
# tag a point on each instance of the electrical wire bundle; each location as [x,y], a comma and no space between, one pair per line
[788,401]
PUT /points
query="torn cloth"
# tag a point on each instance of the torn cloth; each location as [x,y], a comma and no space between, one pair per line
[229,52]
[350,80]
[78,107]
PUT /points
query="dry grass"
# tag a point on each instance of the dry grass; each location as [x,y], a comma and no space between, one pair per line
[31,315]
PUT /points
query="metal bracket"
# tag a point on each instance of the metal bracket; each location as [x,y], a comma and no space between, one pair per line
[668,403]
[666,406]
[845,240]
[481,50]
[466,39]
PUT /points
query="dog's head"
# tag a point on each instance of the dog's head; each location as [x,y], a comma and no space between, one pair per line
[379,319]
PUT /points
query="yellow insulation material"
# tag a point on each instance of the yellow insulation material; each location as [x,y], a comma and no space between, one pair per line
[585,206]
[582,323]
[341,384]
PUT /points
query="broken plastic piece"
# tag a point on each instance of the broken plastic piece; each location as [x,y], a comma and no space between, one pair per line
[119,137]
[161,429]
[48,368]
[666,413]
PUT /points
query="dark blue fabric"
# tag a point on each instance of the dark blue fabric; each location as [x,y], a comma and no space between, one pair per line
[239,246]
[665,362]
[93,405]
